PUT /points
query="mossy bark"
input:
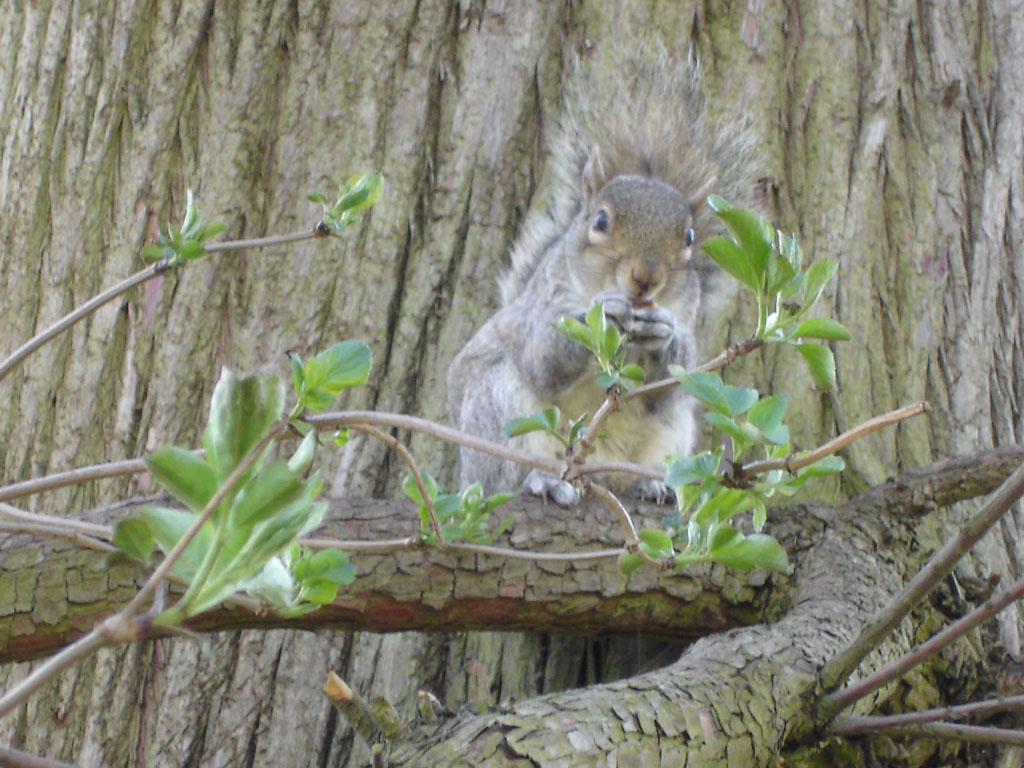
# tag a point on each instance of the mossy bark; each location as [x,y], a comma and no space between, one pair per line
[891,142]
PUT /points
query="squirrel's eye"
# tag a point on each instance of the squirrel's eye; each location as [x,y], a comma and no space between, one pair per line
[601,222]
[688,238]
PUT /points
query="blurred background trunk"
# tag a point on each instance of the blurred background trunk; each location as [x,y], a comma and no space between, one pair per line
[891,141]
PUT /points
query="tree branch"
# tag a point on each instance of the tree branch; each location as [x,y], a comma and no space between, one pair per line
[938,566]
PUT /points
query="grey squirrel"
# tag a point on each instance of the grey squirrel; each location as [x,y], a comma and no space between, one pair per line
[635,158]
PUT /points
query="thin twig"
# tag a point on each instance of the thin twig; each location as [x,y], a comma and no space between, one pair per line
[614,401]
[225,488]
[154,270]
[977,734]
[72,477]
[56,532]
[355,709]
[411,543]
[69,320]
[856,725]
[339,419]
[938,566]
[402,451]
[838,700]
[81,648]
[70,525]
[793,462]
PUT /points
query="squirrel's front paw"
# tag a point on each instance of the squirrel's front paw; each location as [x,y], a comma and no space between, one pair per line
[548,486]
[649,489]
[652,328]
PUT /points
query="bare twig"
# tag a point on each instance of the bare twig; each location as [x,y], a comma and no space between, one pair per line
[856,725]
[978,734]
[836,701]
[84,646]
[338,419]
[68,524]
[56,532]
[154,270]
[402,451]
[938,566]
[792,462]
[355,709]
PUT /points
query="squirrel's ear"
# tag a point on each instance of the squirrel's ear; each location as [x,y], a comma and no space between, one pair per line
[593,174]
[701,197]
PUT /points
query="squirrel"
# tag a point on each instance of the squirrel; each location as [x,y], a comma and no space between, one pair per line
[635,158]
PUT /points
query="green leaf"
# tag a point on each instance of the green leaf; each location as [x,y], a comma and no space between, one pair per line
[822,328]
[691,469]
[596,322]
[731,428]
[767,415]
[720,536]
[316,197]
[298,375]
[155,252]
[260,498]
[135,539]
[753,234]
[190,250]
[345,365]
[186,476]
[242,412]
[656,542]
[364,190]
[828,465]
[818,276]
[709,389]
[633,372]
[576,331]
[820,363]
[272,584]
[167,526]
[545,420]
[754,551]
[779,273]
[412,490]
[303,455]
[340,437]
[629,562]
[726,254]
[330,564]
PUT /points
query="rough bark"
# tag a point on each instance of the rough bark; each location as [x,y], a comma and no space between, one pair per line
[891,139]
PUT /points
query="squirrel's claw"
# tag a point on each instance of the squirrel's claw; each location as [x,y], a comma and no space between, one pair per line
[548,486]
[649,489]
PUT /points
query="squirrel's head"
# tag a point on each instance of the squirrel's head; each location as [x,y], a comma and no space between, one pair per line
[636,234]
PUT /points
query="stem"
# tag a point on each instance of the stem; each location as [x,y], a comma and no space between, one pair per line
[354,708]
[73,526]
[337,419]
[938,566]
[402,451]
[838,700]
[72,477]
[792,462]
[75,316]
[977,734]
[154,270]
[85,646]
[613,400]
[226,487]
[860,724]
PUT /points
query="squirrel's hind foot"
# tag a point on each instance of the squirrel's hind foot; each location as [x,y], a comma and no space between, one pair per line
[548,486]
[649,489]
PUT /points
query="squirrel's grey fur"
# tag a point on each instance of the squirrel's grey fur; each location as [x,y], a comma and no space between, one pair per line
[634,158]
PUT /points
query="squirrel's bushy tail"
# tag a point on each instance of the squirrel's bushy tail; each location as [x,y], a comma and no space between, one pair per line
[645,111]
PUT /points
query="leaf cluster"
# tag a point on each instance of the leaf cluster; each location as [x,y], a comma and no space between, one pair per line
[356,195]
[248,544]
[769,263]
[605,341]
[464,516]
[180,245]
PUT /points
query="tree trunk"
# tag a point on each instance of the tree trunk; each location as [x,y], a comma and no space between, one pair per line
[891,142]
